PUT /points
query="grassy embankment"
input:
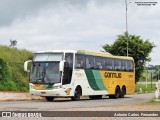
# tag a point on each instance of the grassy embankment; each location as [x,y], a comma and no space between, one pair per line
[12,75]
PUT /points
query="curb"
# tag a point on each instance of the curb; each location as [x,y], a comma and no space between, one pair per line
[15,96]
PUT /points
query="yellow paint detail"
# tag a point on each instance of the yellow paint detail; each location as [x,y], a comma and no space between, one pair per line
[68,91]
[103,54]
[38,86]
[95,53]
[113,78]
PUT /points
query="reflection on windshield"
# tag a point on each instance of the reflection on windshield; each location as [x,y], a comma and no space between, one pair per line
[45,72]
[47,57]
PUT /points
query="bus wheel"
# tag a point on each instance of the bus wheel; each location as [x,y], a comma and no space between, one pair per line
[49,98]
[123,92]
[77,94]
[95,97]
[117,93]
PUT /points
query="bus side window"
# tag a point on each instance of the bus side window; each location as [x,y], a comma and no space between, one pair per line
[117,64]
[129,65]
[109,64]
[90,62]
[79,61]
[99,63]
[123,65]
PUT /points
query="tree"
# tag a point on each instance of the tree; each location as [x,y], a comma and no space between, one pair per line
[13,43]
[137,48]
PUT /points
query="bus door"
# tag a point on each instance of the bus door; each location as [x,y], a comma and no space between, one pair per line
[68,68]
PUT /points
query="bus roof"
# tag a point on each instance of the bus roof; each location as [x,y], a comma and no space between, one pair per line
[58,51]
[87,52]
[102,54]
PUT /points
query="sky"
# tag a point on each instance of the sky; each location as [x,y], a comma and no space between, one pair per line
[77,24]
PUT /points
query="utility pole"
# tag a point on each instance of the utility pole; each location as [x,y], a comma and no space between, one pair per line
[126,3]
[147,74]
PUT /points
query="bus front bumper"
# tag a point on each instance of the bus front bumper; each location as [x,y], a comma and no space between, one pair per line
[53,92]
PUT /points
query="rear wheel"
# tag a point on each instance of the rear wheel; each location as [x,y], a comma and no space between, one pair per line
[117,93]
[123,92]
[49,98]
[77,94]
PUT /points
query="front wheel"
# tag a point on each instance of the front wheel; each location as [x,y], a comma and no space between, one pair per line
[49,98]
[77,94]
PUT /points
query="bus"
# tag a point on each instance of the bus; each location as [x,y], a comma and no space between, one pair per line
[76,73]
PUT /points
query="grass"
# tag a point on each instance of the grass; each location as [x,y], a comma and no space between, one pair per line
[141,88]
[12,75]
[147,74]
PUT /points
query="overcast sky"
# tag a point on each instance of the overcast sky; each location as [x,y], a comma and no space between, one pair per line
[76,24]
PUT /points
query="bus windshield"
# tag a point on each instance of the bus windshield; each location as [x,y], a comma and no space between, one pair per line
[43,57]
[45,72]
[45,68]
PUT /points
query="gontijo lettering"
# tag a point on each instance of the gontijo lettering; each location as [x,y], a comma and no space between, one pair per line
[112,75]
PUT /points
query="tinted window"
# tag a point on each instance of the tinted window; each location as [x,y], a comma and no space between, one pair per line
[117,64]
[90,62]
[123,65]
[80,61]
[130,65]
[109,64]
[68,67]
[99,63]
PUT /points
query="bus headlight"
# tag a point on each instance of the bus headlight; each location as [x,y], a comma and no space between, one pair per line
[57,86]
[32,87]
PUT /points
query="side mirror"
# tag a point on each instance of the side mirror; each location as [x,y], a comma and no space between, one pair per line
[26,65]
[61,65]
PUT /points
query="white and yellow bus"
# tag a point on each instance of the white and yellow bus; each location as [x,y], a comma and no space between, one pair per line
[75,73]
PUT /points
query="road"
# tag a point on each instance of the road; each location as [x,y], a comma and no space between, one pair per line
[65,104]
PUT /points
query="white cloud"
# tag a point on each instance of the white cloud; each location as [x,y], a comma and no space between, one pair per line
[80,25]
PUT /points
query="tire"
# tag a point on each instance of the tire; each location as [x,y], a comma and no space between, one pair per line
[95,97]
[77,94]
[116,94]
[49,98]
[123,92]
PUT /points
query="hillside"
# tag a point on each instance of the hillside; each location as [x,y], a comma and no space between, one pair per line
[12,75]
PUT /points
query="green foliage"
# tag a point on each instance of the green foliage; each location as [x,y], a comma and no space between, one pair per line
[4,75]
[137,48]
[147,74]
[12,75]
[144,89]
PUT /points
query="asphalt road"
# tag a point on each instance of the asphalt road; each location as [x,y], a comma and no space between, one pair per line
[65,104]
